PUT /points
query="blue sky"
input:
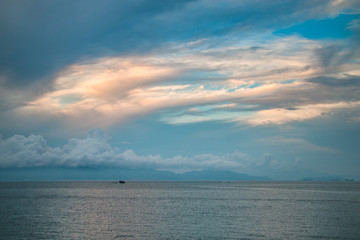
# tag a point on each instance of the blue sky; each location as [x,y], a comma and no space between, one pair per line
[258,87]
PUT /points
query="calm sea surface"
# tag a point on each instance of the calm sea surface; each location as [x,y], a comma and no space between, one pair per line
[180,210]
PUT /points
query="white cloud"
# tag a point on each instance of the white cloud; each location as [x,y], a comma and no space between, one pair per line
[96,151]
[250,115]
[20,151]
[301,113]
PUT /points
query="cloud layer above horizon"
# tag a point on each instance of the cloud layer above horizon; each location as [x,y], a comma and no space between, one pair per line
[67,67]
[95,151]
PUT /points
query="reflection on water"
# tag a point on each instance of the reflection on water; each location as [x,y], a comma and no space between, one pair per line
[180,210]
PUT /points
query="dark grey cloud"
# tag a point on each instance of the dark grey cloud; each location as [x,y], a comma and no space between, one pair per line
[349,80]
[322,89]
[347,51]
[38,38]
[326,55]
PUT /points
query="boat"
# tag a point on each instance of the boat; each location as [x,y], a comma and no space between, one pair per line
[121,181]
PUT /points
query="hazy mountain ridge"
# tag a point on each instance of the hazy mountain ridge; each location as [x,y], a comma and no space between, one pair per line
[142,174]
[86,173]
[327,178]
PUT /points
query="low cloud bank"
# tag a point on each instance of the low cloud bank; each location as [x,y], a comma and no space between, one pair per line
[95,151]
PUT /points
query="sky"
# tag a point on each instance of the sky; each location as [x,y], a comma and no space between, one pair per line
[268,88]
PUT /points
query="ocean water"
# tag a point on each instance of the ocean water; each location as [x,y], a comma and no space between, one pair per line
[180,210]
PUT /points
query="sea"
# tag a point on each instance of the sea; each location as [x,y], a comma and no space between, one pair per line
[179,210]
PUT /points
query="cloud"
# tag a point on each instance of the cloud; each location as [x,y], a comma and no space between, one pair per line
[39,39]
[21,151]
[297,145]
[108,91]
[255,115]
[274,116]
[327,54]
[300,113]
[344,6]
[95,151]
[347,80]
[134,62]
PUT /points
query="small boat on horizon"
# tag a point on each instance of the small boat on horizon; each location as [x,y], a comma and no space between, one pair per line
[121,181]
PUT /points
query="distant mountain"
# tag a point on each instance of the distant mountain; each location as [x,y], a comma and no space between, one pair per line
[88,173]
[219,175]
[327,178]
